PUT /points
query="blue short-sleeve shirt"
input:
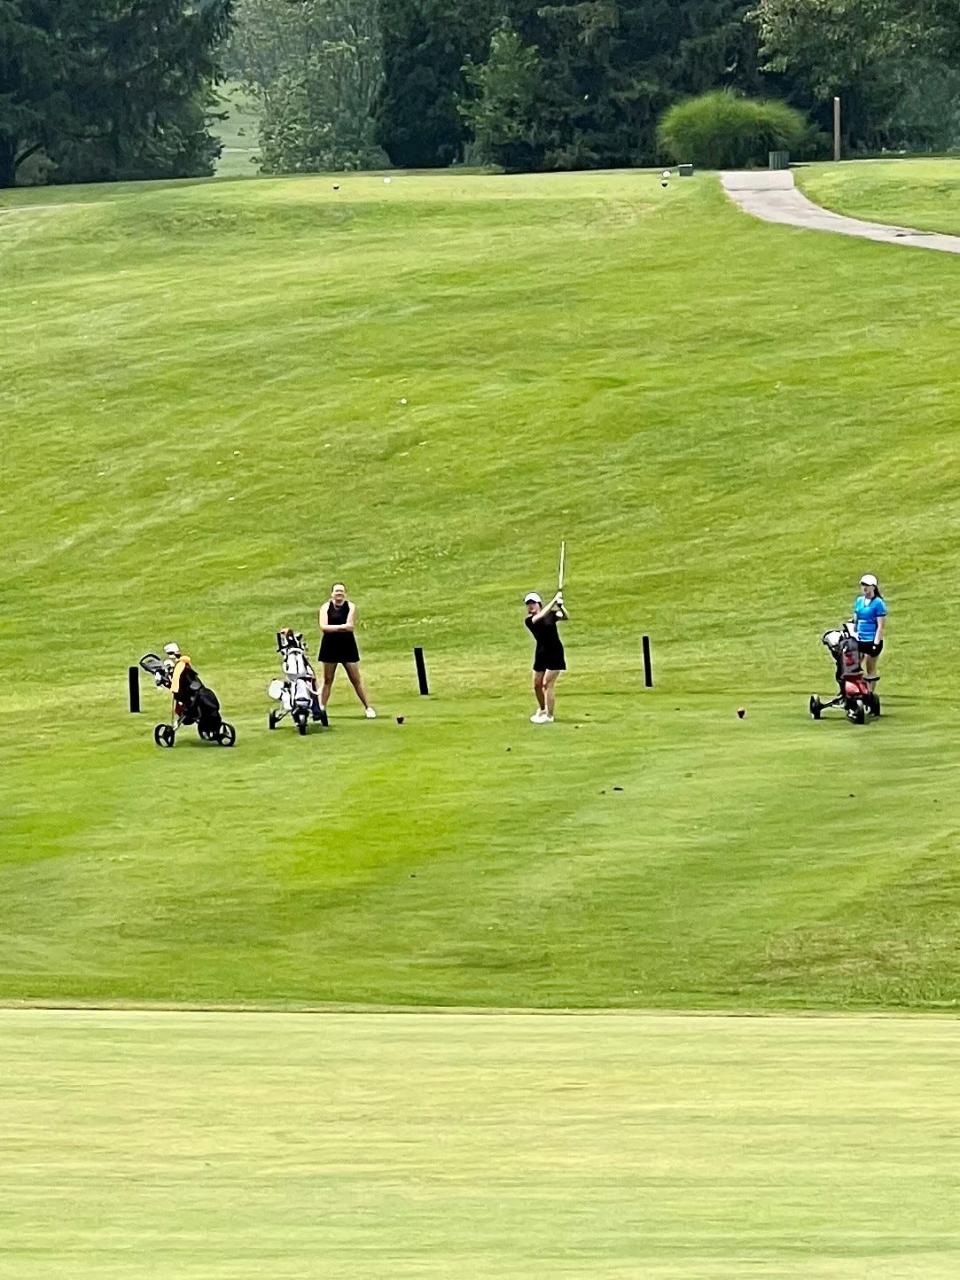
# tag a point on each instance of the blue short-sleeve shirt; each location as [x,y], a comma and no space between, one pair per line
[866,613]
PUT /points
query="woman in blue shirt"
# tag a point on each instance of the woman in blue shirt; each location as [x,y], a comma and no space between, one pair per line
[870,615]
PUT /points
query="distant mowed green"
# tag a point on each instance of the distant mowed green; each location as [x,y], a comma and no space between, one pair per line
[238,132]
[219,397]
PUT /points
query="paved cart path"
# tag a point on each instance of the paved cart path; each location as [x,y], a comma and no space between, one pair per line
[774,197]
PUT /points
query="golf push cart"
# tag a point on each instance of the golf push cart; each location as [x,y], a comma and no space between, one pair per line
[297,692]
[856,692]
[195,704]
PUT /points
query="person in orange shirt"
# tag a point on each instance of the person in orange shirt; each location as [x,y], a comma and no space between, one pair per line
[184,681]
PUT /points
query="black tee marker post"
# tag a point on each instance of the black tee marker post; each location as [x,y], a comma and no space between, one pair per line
[647,667]
[421,671]
[133,685]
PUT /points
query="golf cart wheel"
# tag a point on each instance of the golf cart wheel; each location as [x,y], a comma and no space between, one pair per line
[302,726]
[204,734]
[272,720]
[164,736]
[855,712]
[815,707]
[324,719]
[227,736]
[874,705]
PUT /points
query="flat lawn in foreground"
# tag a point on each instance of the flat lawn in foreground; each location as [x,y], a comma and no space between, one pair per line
[220,1147]
[202,427]
[915,193]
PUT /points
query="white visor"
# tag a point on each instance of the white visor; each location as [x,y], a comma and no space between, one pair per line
[868,580]
[172,649]
[532,598]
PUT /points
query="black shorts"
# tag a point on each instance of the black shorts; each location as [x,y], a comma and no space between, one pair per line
[870,648]
[549,662]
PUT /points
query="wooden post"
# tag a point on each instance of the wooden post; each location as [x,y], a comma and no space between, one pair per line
[421,671]
[133,684]
[836,129]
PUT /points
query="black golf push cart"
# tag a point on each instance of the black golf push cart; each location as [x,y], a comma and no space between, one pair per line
[195,704]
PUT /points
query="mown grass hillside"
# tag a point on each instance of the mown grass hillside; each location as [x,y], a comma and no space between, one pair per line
[915,193]
[203,426]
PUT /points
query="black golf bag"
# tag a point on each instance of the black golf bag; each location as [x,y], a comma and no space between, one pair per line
[195,704]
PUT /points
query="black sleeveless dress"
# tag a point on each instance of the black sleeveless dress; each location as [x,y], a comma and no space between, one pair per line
[338,646]
[549,655]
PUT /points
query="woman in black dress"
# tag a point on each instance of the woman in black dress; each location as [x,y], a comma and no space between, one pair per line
[338,619]
[548,659]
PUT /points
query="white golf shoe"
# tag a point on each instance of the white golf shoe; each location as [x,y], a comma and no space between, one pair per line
[370,713]
[539,717]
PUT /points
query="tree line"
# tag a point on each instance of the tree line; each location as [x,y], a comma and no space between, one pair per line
[103,89]
[530,84]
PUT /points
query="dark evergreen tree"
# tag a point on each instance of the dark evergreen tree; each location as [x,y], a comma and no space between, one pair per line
[142,80]
[611,67]
[34,106]
[108,88]
[425,46]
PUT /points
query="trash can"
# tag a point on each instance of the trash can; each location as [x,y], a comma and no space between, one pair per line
[686,170]
[779,160]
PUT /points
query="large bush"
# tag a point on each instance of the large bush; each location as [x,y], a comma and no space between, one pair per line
[720,130]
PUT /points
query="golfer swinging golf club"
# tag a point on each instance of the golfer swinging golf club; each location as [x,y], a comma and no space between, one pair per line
[548,659]
[338,618]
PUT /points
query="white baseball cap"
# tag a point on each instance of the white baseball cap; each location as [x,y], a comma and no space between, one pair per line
[172,649]
[532,598]
[868,580]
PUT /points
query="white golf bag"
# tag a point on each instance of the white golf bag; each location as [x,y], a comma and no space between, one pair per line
[297,691]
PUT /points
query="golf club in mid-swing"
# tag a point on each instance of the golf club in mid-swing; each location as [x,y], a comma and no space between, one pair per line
[563,560]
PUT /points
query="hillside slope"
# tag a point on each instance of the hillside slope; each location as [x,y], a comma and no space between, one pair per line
[203,427]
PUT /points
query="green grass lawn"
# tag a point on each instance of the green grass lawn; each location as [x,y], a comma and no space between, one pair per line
[916,193]
[219,1147]
[238,131]
[728,421]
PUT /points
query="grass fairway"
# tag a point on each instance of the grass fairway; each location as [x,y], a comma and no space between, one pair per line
[916,193]
[239,132]
[728,421]
[497,1147]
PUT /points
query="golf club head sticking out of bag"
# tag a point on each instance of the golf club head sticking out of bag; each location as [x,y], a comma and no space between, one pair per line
[160,669]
